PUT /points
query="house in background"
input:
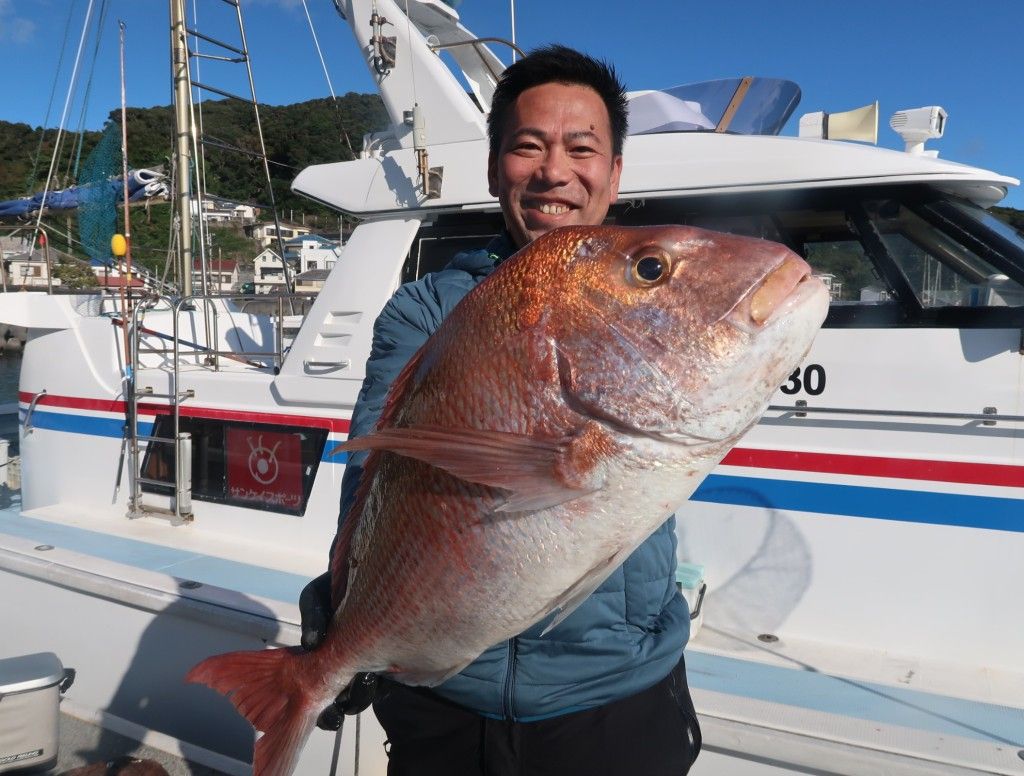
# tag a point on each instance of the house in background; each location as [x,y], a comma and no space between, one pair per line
[220,210]
[222,277]
[22,270]
[311,281]
[266,232]
[268,272]
[312,251]
[832,283]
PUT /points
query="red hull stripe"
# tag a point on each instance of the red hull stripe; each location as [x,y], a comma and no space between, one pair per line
[872,466]
[824,463]
[339,425]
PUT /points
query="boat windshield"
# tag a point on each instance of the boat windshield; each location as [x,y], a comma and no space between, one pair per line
[764,105]
[890,256]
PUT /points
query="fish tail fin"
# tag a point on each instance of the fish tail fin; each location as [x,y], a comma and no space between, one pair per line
[268,687]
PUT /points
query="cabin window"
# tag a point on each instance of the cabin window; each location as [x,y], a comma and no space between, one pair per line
[890,255]
[827,241]
[942,271]
[437,242]
[263,466]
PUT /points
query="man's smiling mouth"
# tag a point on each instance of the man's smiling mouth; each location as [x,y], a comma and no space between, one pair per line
[552,209]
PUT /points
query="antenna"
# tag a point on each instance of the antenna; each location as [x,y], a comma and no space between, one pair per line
[512,9]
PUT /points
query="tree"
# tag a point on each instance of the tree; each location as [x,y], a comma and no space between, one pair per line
[75,274]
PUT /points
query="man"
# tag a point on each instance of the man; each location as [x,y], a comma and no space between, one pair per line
[605,691]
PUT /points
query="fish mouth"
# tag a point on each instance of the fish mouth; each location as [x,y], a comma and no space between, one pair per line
[784,288]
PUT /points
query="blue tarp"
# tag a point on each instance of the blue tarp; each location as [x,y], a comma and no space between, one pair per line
[142,184]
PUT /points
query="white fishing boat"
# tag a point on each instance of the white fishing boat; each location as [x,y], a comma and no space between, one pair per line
[860,547]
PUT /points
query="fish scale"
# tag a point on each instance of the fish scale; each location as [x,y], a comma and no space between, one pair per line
[563,410]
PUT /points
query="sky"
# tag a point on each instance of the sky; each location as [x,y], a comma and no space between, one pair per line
[964,55]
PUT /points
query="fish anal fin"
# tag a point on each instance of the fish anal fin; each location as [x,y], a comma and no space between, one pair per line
[425,677]
[585,586]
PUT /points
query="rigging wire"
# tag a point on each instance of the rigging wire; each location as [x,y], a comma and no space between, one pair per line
[63,118]
[198,190]
[88,89]
[330,86]
[49,105]
[200,151]
[412,60]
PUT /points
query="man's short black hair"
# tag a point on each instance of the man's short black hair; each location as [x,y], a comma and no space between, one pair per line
[559,64]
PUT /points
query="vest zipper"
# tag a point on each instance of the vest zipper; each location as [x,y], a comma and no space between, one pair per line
[510,681]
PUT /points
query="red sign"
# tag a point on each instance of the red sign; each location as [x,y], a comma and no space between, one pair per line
[265,467]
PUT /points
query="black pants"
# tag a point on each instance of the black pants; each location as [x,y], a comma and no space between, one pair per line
[652,733]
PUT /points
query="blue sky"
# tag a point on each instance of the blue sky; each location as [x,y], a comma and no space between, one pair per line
[962,55]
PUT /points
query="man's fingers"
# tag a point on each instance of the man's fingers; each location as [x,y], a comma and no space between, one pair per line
[330,718]
[314,608]
[312,637]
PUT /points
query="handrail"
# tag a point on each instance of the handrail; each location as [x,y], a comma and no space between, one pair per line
[181,495]
[214,353]
[31,409]
[986,417]
[491,39]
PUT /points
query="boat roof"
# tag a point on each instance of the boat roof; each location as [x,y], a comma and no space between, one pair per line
[668,164]
[710,137]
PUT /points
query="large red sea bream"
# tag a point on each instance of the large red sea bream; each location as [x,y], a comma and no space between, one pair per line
[566,407]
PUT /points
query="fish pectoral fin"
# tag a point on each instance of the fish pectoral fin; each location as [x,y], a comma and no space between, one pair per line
[538,472]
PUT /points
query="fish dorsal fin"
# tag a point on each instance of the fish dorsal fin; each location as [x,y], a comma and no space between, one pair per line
[342,549]
[340,557]
[538,472]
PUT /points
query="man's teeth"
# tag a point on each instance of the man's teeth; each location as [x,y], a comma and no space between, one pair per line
[553,210]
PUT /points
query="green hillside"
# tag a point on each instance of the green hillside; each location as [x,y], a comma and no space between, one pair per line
[1014,218]
[296,136]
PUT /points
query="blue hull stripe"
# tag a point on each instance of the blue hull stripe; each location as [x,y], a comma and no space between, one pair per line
[913,506]
[84,424]
[340,457]
[114,427]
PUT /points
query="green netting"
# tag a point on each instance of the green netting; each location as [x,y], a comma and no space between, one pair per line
[97,210]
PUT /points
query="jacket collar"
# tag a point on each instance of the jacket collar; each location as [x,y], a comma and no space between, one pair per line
[483,261]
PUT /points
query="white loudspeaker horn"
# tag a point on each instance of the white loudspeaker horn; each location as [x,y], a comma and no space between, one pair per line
[858,124]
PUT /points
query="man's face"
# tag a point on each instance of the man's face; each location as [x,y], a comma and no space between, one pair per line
[555,166]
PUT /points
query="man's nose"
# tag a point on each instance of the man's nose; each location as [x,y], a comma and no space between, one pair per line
[556,168]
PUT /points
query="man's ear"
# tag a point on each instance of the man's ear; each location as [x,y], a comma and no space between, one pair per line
[492,173]
[616,174]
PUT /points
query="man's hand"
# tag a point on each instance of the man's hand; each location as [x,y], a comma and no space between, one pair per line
[316,611]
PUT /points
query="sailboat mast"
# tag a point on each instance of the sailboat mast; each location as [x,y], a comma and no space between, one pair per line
[126,270]
[182,135]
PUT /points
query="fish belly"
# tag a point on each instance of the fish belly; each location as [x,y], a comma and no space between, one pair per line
[450,576]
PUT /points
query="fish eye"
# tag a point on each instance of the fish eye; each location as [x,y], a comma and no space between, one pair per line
[651,268]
